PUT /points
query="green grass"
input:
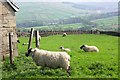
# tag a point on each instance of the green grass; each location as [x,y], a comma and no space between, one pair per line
[83,64]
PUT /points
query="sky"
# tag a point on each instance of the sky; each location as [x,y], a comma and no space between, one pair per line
[66,0]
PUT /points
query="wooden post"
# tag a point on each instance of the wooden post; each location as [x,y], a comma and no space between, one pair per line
[37,38]
[91,31]
[10,48]
[30,39]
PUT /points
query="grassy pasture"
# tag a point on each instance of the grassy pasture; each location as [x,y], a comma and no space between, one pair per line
[83,64]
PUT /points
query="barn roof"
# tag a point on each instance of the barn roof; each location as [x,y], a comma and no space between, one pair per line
[13,5]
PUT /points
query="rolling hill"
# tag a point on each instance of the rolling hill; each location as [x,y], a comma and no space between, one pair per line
[110,23]
[34,14]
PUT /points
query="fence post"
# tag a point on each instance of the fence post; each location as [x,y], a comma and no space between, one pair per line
[37,38]
[10,48]
[90,31]
[30,39]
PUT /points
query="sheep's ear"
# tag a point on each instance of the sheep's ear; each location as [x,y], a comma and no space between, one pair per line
[32,50]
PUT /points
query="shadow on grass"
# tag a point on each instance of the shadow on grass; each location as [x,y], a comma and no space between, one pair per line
[9,67]
[80,51]
[39,73]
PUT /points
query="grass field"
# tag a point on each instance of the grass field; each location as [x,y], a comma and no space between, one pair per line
[83,64]
[56,27]
[107,21]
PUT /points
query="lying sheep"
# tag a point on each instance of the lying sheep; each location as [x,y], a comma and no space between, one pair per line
[87,48]
[64,34]
[50,59]
[25,44]
[64,49]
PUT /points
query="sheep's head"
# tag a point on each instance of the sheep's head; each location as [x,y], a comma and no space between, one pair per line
[64,34]
[82,46]
[61,47]
[18,41]
[29,52]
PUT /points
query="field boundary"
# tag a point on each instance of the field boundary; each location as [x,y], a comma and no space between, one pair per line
[49,33]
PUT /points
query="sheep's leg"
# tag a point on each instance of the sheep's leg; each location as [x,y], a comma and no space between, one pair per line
[42,70]
[68,71]
[3,59]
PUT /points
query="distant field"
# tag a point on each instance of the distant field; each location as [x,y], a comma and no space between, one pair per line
[83,64]
[56,27]
[107,23]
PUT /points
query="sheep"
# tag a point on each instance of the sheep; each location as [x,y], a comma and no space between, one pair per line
[87,48]
[64,49]
[25,44]
[50,59]
[18,41]
[64,34]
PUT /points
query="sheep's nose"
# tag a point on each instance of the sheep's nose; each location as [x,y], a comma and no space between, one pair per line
[80,47]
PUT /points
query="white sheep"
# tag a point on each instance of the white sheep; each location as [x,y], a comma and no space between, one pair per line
[50,59]
[87,48]
[25,44]
[64,34]
[64,49]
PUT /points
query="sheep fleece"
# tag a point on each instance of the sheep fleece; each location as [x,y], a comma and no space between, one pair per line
[91,49]
[51,59]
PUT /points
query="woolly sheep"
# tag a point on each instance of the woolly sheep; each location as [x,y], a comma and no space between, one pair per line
[64,49]
[64,34]
[87,48]
[25,44]
[50,59]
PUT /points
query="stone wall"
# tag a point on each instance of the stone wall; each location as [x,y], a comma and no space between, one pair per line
[7,24]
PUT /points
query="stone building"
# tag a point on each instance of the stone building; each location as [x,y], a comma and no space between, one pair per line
[7,25]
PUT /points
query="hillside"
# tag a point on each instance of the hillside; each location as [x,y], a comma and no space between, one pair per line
[38,12]
[110,23]
[41,14]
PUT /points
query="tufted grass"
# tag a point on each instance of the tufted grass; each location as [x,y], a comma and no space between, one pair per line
[83,64]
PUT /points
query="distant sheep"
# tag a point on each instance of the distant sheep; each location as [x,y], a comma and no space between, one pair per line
[87,48]
[25,44]
[64,34]
[18,41]
[50,59]
[64,49]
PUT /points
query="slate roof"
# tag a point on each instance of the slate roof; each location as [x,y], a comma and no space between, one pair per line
[13,5]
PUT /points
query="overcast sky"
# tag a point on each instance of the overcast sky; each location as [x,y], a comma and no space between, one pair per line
[66,0]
